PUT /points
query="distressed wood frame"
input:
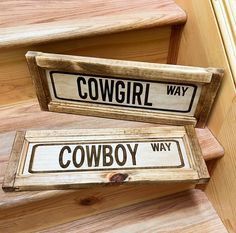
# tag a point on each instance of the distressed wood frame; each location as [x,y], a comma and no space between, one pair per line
[15,181]
[208,78]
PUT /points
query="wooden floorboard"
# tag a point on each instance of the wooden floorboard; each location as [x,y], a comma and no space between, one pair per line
[188,211]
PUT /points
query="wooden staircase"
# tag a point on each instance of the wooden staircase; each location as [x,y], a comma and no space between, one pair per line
[142,30]
[146,30]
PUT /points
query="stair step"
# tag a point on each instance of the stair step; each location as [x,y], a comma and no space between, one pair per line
[146,30]
[137,30]
[37,23]
[27,115]
[188,211]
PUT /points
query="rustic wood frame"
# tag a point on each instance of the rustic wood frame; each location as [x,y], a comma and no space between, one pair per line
[15,181]
[209,78]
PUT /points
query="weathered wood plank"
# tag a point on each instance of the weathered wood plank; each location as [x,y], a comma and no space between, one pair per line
[11,170]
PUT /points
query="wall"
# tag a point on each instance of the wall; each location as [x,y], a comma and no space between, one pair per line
[201,45]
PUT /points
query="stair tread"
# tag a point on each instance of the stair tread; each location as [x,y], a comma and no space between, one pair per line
[30,22]
[27,115]
[188,211]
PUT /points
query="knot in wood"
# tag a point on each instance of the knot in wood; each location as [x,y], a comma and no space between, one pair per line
[118,177]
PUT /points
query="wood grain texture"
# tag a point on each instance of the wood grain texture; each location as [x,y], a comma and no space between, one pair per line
[222,188]
[34,174]
[10,173]
[41,209]
[37,74]
[149,45]
[199,161]
[138,30]
[202,45]
[75,19]
[48,209]
[210,146]
[31,12]
[183,212]
[197,48]
[210,96]
[27,115]
[226,18]
[99,66]
[175,38]
[70,102]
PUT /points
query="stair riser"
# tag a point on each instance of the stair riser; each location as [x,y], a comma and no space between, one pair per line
[150,45]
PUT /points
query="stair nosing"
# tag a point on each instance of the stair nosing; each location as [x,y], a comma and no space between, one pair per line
[73,29]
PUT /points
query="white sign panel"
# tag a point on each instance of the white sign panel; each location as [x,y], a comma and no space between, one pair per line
[76,157]
[155,96]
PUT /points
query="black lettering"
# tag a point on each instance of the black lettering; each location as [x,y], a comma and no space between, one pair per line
[170,89]
[137,93]
[120,95]
[133,152]
[168,145]
[75,156]
[93,88]
[93,155]
[62,164]
[106,89]
[79,80]
[120,163]
[147,95]
[162,147]
[184,90]
[107,151]
[155,146]
[177,91]
[128,92]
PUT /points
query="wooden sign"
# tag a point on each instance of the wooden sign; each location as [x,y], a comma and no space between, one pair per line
[73,158]
[123,89]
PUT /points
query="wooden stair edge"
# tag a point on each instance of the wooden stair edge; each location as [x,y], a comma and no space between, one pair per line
[30,34]
[80,203]
[191,209]
[210,146]
[153,212]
